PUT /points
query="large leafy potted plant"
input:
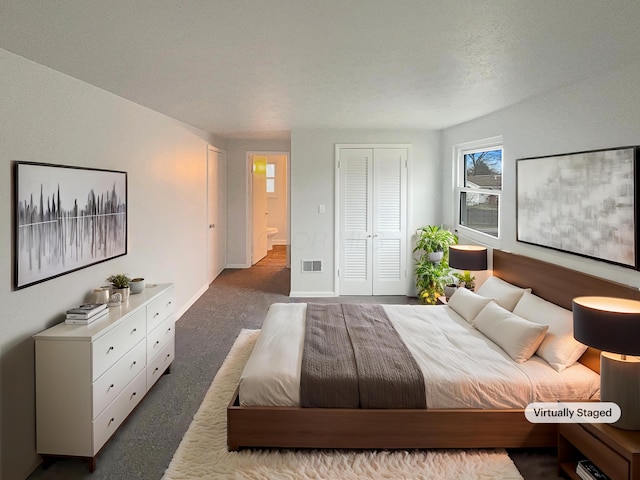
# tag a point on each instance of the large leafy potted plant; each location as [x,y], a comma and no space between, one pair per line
[432,272]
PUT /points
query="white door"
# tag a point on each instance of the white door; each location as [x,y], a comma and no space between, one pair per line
[216,212]
[389,221]
[372,224]
[356,237]
[259,190]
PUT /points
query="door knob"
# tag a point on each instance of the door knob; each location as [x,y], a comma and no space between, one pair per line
[212,225]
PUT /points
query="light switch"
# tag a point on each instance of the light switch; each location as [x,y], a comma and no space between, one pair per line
[321,208]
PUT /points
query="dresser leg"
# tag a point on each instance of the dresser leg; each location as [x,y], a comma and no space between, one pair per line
[92,464]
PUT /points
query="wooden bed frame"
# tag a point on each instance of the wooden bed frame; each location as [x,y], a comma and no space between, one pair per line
[291,427]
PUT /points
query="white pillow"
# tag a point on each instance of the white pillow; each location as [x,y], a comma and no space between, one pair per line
[506,294]
[518,337]
[558,348]
[467,304]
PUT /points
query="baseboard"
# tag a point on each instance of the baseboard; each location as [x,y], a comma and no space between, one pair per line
[238,265]
[312,294]
[193,300]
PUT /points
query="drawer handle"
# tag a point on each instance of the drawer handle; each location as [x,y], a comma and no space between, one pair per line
[110,348]
[168,355]
[155,370]
[111,386]
[111,421]
[134,330]
[156,314]
[135,363]
[169,303]
[169,329]
[133,394]
[157,342]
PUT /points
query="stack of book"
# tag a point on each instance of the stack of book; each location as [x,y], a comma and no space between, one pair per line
[588,471]
[86,313]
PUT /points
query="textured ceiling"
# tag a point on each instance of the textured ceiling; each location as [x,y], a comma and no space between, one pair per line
[258,68]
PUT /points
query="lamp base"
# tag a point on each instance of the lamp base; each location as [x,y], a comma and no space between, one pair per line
[620,383]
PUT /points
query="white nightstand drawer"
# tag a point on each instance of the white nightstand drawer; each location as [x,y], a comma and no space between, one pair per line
[161,308]
[110,348]
[109,421]
[159,363]
[158,338]
[114,380]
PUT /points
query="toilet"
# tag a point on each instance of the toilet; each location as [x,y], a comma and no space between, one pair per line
[271,232]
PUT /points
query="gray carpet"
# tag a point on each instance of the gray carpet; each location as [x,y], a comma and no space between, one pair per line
[144,445]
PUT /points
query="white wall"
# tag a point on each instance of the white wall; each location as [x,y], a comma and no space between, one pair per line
[313,183]
[599,113]
[50,117]
[238,212]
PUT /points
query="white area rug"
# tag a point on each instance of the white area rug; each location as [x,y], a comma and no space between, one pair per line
[203,454]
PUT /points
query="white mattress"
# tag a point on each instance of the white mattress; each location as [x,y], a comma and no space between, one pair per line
[462,368]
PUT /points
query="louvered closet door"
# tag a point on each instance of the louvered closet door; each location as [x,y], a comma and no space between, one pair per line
[389,221]
[372,221]
[356,236]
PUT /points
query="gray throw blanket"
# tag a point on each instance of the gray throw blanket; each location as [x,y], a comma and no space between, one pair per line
[354,358]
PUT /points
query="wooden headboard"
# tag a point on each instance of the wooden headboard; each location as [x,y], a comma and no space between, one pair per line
[558,285]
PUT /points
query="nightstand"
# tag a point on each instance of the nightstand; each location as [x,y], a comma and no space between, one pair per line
[614,451]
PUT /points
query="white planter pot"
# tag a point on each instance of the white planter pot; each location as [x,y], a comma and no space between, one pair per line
[449,290]
[435,257]
[137,287]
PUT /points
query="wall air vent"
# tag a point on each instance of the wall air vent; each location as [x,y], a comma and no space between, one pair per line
[311,265]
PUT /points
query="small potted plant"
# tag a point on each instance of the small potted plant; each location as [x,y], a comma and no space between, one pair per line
[434,241]
[120,284]
[466,280]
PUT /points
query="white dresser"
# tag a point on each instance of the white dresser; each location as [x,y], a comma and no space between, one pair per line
[90,377]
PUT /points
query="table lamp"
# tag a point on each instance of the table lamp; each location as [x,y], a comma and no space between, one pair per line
[467,258]
[613,326]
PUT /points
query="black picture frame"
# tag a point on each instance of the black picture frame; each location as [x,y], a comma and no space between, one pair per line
[583,203]
[66,218]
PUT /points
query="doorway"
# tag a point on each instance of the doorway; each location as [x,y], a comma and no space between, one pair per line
[216,212]
[268,224]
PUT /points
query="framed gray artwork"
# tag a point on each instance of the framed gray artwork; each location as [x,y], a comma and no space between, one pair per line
[582,203]
[66,218]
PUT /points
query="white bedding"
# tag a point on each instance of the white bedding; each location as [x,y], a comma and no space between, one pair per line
[462,368]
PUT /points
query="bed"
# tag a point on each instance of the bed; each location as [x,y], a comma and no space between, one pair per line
[475,425]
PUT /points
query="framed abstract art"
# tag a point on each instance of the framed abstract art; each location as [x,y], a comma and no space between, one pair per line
[583,203]
[66,218]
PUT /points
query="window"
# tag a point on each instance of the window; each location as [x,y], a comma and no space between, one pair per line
[480,186]
[271,179]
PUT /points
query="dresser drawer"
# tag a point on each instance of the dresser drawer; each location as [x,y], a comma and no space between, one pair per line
[111,347]
[109,421]
[158,338]
[160,308]
[114,380]
[159,363]
[607,459]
